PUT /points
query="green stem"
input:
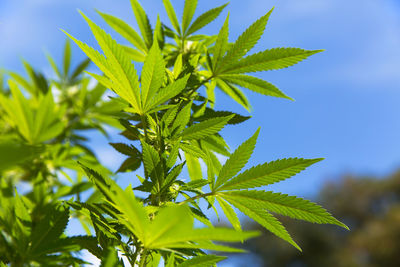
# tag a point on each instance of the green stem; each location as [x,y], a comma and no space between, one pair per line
[143,258]
[144,125]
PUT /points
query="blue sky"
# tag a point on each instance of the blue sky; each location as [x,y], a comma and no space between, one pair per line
[346,107]
[347,98]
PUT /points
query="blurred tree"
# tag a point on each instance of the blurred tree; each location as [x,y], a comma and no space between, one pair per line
[369,206]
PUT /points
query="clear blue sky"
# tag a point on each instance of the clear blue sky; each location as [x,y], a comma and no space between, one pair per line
[347,98]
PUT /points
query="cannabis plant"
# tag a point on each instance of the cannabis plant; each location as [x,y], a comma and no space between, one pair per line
[173,148]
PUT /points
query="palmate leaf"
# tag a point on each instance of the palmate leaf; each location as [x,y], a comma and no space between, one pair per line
[188,12]
[271,59]
[125,30]
[152,74]
[221,44]
[165,94]
[172,16]
[268,173]
[193,150]
[111,259]
[49,229]
[264,218]
[202,261]
[234,92]
[254,84]
[246,41]
[208,245]
[12,153]
[205,128]
[168,221]
[205,19]
[182,118]
[67,57]
[80,68]
[19,111]
[117,66]
[283,204]
[193,166]
[143,23]
[229,213]
[211,113]
[36,122]
[236,161]
[125,149]
[151,162]
[216,143]
[134,54]
[133,215]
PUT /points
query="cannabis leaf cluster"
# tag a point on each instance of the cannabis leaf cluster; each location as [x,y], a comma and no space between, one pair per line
[168,115]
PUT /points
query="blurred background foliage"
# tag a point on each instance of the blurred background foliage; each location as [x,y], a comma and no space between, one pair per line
[370,206]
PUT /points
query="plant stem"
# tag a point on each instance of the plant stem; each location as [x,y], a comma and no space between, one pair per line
[144,125]
[143,258]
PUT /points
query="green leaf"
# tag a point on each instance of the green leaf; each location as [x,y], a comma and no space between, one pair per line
[173,174]
[202,261]
[235,93]
[178,66]
[50,228]
[264,218]
[23,82]
[205,128]
[271,59]
[134,54]
[210,246]
[168,222]
[196,183]
[268,173]
[221,44]
[151,162]
[172,16]
[53,66]
[283,204]
[125,149]
[193,166]
[67,57]
[111,260]
[130,164]
[90,243]
[188,12]
[254,84]
[205,19]
[152,74]
[229,213]
[210,113]
[104,81]
[237,160]
[125,30]
[182,119]
[117,66]
[173,155]
[12,153]
[165,94]
[193,150]
[246,41]
[80,68]
[133,216]
[180,237]
[143,23]
[19,112]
